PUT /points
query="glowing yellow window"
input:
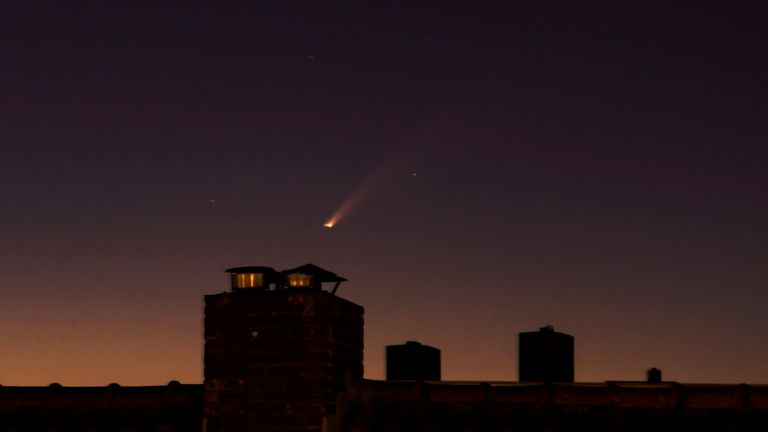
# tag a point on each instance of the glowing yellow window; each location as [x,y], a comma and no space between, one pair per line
[247,280]
[299,280]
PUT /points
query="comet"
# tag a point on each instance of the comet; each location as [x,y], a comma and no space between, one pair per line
[394,167]
[350,203]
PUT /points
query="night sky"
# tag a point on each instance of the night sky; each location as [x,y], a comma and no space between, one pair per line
[505,168]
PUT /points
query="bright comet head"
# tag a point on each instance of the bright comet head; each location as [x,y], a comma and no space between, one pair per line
[345,207]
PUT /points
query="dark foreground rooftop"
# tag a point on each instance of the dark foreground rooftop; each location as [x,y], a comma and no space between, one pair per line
[505,406]
[174,407]
[371,406]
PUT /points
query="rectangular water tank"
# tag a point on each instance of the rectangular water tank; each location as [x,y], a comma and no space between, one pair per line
[413,361]
[545,355]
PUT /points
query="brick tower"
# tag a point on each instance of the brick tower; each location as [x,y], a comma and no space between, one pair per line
[277,350]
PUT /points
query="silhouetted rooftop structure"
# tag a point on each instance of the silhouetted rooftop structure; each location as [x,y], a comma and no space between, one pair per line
[254,277]
[545,355]
[653,375]
[311,276]
[290,359]
[413,361]
[379,406]
[174,407]
[275,360]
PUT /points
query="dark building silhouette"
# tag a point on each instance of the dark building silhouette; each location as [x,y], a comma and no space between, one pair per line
[277,350]
[173,407]
[653,375]
[413,361]
[545,355]
[283,353]
[387,406]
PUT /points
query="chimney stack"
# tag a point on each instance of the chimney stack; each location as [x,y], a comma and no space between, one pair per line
[654,375]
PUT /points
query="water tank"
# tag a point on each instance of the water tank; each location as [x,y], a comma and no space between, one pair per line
[653,375]
[413,361]
[545,355]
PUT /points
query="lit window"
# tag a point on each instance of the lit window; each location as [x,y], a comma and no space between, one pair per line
[299,280]
[247,280]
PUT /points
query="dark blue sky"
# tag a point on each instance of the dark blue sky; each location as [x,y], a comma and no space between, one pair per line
[600,170]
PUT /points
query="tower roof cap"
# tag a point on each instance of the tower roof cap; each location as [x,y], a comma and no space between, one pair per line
[251,269]
[320,274]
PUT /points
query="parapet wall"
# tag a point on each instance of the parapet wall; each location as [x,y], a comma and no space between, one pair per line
[175,407]
[401,405]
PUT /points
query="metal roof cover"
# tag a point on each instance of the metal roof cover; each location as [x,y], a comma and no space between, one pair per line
[322,275]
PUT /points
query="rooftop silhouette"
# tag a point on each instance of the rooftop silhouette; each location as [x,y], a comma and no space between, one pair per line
[284,354]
